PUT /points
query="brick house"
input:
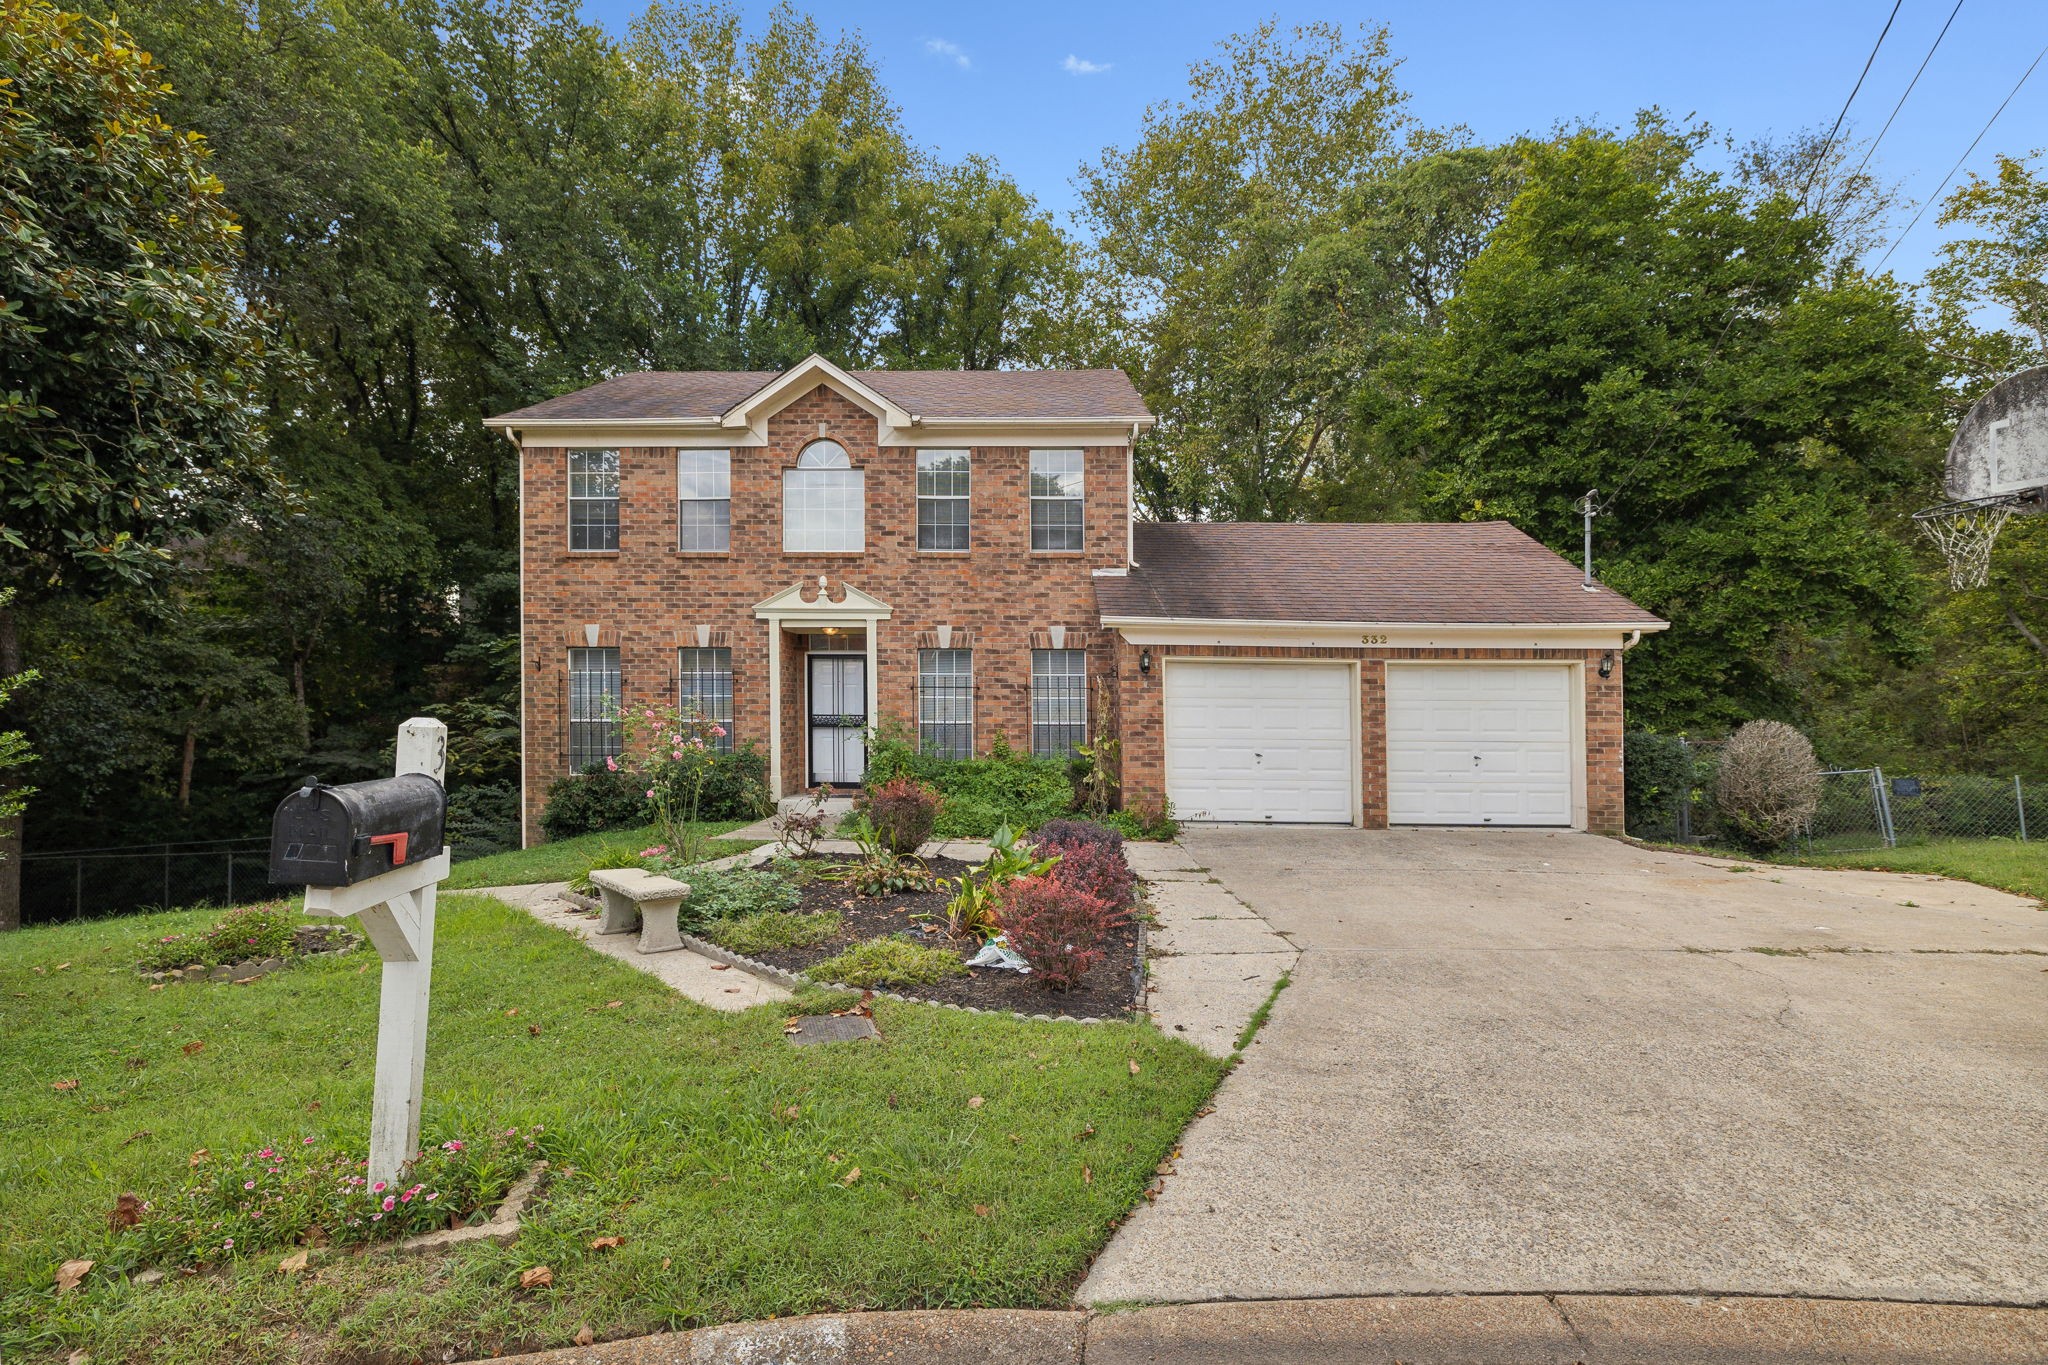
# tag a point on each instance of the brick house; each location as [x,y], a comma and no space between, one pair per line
[805,554]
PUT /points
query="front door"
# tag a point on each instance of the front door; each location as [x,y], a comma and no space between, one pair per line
[839,716]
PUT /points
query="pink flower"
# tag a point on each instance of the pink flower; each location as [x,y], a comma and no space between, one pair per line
[266,1154]
[718,732]
[228,1245]
[405,1198]
[376,1217]
[611,764]
[390,1202]
[305,1142]
[378,1187]
[650,793]
[248,1184]
[451,1146]
[432,1197]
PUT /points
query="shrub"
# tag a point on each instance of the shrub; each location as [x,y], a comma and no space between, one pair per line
[1658,775]
[1059,930]
[979,795]
[295,1190]
[735,784]
[1150,818]
[1060,835]
[482,820]
[609,858]
[592,801]
[771,929]
[1768,785]
[248,934]
[734,892]
[799,828]
[902,812]
[598,799]
[1097,870]
[888,962]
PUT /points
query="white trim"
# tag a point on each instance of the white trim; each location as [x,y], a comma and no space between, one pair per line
[787,610]
[1357,712]
[799,379]
[1576,703]
[1372,635]
[685,433]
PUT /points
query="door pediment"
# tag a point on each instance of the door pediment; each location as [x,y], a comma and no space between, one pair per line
[850,604]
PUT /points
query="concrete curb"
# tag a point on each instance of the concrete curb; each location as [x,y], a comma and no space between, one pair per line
[1472,1329]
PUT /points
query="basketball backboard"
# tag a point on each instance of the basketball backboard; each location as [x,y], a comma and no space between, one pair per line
[1997,469]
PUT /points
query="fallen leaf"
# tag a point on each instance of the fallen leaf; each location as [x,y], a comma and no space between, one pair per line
[666,1262]
[70,1273]
[64,1085]
[294,1263]
[540,1277]
[892,1099]
[509,1013]
[981,1210]
[791,1112]
[313,1108]
[1014,1138]
[156,986]
[584,1336]
[850,1176]
[533,1030]
[201,1155]
[1085,1133]
[606,1243]
[1134,1066]
[833,1157]
[1163,1168]
[60,966]
[138,1135]
[126,1213]
[137,1063]
[613,1004]
[195,1046]
[1087,1176]
[721,966]
[81,1356]
[976,1102]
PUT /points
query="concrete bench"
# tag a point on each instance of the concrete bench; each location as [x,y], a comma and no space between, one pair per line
[637,899]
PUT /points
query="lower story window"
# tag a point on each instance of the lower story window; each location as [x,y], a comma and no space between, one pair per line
[705,691]
[1059,701]
[593,707]
[945,702]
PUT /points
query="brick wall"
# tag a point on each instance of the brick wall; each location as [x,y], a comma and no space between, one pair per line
[1143,706]
[648,598]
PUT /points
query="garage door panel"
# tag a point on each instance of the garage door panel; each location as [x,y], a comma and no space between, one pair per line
[1480,744]
[1260,742]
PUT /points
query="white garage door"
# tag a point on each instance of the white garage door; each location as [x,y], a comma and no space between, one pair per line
[1270,742]
[1479,745]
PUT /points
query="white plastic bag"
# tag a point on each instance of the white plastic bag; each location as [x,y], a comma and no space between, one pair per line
[998,953]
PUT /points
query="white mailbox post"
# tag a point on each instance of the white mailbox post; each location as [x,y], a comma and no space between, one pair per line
[396,910]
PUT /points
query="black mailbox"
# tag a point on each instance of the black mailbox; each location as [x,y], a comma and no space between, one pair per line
[338,836]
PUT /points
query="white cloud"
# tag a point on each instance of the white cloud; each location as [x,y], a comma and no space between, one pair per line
[1080,66]
[952,52]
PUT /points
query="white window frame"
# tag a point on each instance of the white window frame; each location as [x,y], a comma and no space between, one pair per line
[581,480]
[704,480]
[930,696]
[1043,700]
[824,502]
[1060,465]
[587,705]
[933,502]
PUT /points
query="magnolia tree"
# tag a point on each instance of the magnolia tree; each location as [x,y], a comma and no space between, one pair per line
[673,752]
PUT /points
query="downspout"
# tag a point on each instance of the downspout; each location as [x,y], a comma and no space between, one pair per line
[1635,637]
[1131,500]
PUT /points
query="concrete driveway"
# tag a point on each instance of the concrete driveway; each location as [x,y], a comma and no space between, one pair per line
[1515,1061]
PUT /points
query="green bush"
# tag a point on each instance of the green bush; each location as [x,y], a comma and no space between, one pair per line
[888,962]
[482,820]
[248,934]
[594,800]
[1658,774]
[771,929]
[735,784]
[735,788]
[979,794]
[1148,820]
[609,858]
[734,892]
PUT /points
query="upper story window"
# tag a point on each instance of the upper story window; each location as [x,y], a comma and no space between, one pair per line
[942,487]
[593,707]
[1056,500]
[704,500]
[824,502]
[593,499]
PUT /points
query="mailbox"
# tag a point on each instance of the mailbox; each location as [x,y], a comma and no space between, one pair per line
[338,836]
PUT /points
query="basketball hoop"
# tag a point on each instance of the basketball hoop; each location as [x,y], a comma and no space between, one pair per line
[1965,531]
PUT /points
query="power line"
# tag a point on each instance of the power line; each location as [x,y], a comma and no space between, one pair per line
[1621,484]
[1936,196]
[1867,151]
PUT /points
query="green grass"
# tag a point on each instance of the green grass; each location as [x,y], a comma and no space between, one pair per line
[887,962]
[563,859]
[766,930]
[2006,864]
[671,1126]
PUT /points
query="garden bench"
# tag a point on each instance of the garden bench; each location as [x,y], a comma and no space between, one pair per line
[637,899]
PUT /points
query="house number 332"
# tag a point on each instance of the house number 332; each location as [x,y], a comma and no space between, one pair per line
[1370,639]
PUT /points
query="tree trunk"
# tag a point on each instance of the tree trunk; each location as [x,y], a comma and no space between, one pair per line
[10,780]
[185,764]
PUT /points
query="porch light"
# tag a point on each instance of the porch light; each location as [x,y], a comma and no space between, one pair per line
[1145,661]
[1607,664]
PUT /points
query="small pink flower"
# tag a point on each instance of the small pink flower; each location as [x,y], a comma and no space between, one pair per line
[228,1245]
[611,764]
[650,793]
[305,1142]
[452,1145]
[266,1154]
[376,1217]
[378,1187]
[248,1184]
[390,1202]
[718,732]
[405,1198]
[432,1197]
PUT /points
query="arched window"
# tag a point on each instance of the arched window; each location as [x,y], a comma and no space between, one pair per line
[824,502]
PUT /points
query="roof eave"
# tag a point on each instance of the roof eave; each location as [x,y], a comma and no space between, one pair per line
[1251,623]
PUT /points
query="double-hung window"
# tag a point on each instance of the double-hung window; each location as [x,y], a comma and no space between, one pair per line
[945,702]
[704,500]
[1059,701]
[704,691]
[1056,500]
[824,502]
[942,493]
[593,707]
[593,499]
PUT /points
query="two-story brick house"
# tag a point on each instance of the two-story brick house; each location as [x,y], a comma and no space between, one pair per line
[800,555]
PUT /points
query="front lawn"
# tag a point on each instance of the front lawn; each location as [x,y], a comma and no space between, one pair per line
[747,1177]
[2006,864]
[564,858]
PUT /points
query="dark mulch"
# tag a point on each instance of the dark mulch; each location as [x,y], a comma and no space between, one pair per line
[1108,989]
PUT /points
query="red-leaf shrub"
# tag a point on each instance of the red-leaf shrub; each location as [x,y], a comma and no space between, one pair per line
[903,812]
[1065,832]
[1058,929]
[1094,869]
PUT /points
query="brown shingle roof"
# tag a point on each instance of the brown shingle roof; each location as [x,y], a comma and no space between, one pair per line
[1420,573]
[994,394]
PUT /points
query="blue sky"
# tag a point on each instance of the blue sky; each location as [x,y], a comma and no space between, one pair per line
[1044,86]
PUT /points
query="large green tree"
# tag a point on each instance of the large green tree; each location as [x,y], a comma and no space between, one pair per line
[1750,413]
[130,365]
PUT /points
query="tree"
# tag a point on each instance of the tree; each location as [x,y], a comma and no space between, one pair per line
[1998,274]
[1813,172]
[130,367]
[1750,414]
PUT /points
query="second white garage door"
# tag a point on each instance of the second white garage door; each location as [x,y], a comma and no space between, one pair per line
[1479,745]
[1266,742]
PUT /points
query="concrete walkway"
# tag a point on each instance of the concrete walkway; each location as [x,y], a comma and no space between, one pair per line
[1524,1062]
[1502,1330]
[1213,961]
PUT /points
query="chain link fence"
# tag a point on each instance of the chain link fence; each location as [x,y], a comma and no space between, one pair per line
[93,882]
[1670,784]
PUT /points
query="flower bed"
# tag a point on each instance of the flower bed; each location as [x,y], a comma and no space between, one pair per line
[246,943]
[1108,988]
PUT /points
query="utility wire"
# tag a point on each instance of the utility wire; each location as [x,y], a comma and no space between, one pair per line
[1936,196]
[1867,151]
[1727,326]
